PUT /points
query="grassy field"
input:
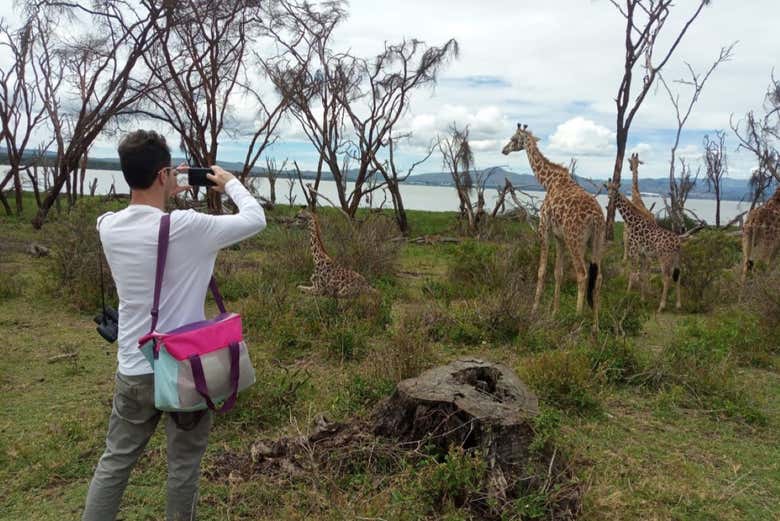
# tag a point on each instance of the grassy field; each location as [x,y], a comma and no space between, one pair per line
[662,416]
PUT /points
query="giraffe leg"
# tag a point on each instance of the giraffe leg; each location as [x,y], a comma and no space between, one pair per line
[543,247]
[678,304]
[625,244]
[667,277]
[747,247]
[559,258]
[578,260]
[597,249]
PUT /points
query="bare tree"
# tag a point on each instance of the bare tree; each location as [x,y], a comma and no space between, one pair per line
[196,69]
[458,160]
[21,112]
[347,105]
[645,20]
[120,35]
[716,165]
[272,172]
[759,134]
[393,179]
[680,187]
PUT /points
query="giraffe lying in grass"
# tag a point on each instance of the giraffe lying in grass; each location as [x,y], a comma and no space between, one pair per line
[329,278]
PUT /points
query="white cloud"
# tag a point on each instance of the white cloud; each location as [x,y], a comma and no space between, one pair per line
[689,152]
[480,145]
[582,136]
[641,149]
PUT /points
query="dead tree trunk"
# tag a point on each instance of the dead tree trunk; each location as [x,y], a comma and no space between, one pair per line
[470,403]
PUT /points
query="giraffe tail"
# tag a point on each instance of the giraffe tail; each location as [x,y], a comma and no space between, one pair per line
[676,274]
[593,272]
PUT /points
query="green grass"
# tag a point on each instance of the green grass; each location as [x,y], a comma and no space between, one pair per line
[642,445]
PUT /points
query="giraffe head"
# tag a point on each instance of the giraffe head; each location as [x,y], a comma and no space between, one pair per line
[519,140]
[634,162]
[613,189]
[304,216]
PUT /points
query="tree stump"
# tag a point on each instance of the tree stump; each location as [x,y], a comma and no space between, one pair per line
[471,403]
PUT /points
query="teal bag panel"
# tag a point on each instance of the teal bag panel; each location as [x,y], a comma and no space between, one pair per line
[148,350]
[166,375]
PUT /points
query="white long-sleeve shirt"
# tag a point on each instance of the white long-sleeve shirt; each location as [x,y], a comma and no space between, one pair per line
[129,239]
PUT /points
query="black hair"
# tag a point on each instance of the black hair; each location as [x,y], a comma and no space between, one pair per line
[142,154]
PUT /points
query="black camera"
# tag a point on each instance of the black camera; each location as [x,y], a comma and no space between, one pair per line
[108,324]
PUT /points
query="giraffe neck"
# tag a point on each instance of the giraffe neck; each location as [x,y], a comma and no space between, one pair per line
[630,215]
[317,248]
[547,173]
[635,195]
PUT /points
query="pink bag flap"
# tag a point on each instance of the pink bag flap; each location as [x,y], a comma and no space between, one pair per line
[199,338]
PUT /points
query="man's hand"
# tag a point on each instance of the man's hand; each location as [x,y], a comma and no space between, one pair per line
[181,169]
[220,176]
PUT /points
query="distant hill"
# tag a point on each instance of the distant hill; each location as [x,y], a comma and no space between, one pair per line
[733,189]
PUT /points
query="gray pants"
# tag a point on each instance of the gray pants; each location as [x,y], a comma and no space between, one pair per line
[132,422]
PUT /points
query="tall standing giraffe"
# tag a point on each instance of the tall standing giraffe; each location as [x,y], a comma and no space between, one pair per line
[572,217]
[636,199]
[761,234]
[647,240]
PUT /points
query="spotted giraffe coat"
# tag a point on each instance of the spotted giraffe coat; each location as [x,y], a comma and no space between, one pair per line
[647,240]
[570,215]
[761,234]
[330,278]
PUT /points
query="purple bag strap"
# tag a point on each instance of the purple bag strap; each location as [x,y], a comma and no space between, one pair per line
[162,254]
[200,380]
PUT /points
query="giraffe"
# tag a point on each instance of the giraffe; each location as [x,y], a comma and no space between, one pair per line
[329,278]
[636,199]
[761,234]
[647,240]
[572,217]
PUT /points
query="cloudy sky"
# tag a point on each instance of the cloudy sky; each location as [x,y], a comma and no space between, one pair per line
[556,66]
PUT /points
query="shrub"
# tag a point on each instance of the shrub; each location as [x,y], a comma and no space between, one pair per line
[705,258]
[563,378]
[615,358]
[477,268]
[763,297]
[289,257]
[370,246]
[75,248]
[701,361]
[237,278]
[269,402]
[361,393]
[10,286]
[452,482]
[409,350]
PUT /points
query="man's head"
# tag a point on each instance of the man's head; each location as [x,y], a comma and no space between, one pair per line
[146,162]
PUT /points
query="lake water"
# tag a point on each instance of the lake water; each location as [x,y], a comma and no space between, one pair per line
[431,198]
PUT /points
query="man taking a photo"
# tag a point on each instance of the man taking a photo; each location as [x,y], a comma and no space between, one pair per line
[129,239]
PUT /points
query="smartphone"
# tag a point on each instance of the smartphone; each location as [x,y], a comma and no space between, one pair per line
[196,176]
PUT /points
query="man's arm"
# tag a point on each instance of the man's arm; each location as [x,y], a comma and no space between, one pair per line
[215,232]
